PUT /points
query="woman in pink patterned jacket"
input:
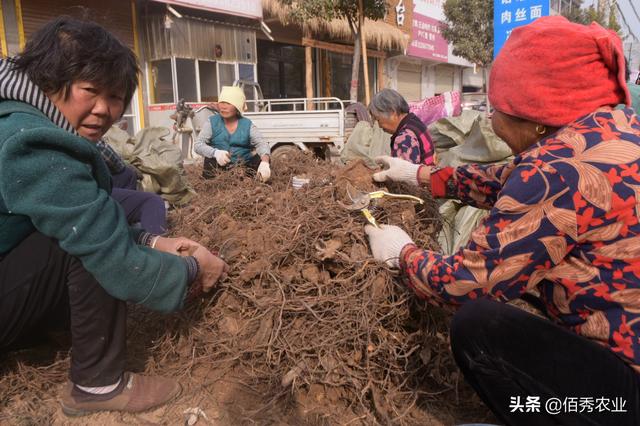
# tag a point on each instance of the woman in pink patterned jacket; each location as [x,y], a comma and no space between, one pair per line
[564,222]
[410,138]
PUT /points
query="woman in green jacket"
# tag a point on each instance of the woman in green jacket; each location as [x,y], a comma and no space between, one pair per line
[67,255]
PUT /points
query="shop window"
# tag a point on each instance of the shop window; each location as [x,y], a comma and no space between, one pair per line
[246,73]
[186,78]
[337,76]
[201,87]
[281,70]
[227,74]
[162,82]
[208,81]
[126,122]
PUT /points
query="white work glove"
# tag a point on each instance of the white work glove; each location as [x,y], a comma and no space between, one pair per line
[397,170]
[222,157]
[387,242]
[264,171]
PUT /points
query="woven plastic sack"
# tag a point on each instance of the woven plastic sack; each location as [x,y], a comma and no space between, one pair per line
[460,140]
[159,160]
[433,109]
[366,143]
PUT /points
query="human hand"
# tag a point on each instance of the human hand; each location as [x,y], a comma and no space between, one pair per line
[222,157]
[387,242]
[264,171]
[211,269]
[397,170]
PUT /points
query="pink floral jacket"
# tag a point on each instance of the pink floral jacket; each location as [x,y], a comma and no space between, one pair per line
[564,219]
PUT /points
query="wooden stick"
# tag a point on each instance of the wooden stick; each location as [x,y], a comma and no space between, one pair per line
[308,75]
[381,74]
[363,43]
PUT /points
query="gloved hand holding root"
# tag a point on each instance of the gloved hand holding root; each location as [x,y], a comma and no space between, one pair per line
[397,170]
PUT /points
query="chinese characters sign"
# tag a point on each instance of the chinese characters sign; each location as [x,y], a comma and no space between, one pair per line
[555,406]
[510,14]
[427,42]
[400,10]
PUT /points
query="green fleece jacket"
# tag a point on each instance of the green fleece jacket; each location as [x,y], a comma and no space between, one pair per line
[57,183]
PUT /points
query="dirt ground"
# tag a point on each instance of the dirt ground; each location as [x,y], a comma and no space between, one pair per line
[307,328]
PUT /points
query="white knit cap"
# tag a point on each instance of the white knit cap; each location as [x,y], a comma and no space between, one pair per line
[234,96]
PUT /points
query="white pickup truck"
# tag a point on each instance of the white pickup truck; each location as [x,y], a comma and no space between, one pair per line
[320,125]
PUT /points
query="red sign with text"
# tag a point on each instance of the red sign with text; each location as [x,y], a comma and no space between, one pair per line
[427,42]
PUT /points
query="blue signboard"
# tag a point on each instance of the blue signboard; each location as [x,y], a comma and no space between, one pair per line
[510,14]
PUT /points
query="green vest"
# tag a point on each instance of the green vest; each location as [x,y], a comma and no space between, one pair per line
[238,144]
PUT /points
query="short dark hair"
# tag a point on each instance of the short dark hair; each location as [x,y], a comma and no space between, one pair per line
[66,50]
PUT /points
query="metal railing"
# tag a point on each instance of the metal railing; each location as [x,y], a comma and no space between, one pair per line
[296,104]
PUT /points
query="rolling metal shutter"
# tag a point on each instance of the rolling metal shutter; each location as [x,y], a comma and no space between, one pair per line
[114,15]
[444,78]
[410,81]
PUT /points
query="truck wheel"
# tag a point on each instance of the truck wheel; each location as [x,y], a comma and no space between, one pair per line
[283,153]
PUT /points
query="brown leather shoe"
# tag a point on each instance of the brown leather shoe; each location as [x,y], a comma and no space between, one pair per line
[135,394]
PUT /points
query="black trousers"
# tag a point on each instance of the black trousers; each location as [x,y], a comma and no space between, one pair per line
[42,287]
[511,357]
[210,164]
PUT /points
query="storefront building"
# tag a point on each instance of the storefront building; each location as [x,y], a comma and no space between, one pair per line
[315,59]
[193,48]
[188,49]
[428,67]
[21,18]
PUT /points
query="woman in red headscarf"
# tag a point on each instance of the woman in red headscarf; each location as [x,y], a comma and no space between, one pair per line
[564,223]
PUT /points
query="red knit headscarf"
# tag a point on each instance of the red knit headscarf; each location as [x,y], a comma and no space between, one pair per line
[553,72]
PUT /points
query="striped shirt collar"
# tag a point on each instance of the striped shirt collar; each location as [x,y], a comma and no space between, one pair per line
[16,86]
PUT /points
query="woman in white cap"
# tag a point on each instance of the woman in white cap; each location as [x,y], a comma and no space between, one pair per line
[229,138]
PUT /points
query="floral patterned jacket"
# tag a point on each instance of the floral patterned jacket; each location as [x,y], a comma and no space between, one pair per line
[412,141]
[564,219]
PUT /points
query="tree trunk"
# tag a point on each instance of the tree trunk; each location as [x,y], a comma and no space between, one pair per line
[355,69]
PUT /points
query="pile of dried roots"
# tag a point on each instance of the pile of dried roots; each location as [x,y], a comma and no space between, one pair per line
[306,311]
[307,322]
